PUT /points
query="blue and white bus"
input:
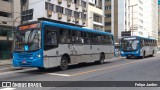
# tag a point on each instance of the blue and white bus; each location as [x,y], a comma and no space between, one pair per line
[46,44]
[136,46]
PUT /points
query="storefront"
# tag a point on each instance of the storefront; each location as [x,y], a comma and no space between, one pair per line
[5,42]
[5,50]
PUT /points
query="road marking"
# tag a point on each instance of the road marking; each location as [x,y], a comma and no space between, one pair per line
[90,71]
[57,74]
[8,89]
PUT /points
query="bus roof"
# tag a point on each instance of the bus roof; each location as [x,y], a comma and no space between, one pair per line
[140,37]
[74,27]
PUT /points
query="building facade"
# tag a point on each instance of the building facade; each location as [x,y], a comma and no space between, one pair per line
[95,12]
[9,11]
[83,13]
[115,16]
[142,18]
[158,23]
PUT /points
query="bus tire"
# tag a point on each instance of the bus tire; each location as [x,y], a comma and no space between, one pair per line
[41,68]
[64,63]
[102,58]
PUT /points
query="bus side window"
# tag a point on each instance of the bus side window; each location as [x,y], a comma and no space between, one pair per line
[65,36]
[50,40]
[78,37]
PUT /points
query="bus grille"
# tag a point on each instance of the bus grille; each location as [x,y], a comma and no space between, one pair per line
[24,64]
[27,56]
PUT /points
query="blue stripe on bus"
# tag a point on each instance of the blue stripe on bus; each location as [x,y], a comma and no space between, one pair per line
[74,28]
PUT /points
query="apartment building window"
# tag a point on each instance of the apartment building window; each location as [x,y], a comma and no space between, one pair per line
[108,7]
[107,0]
[76,14]
[108,15]
[96,27]
[141,21]
[141,27]
[84,4]
[140,2]
[76,2]
[49,6]
[59,9]
[97,18]
[84,16]
[28,15]
[7,0]
[107,23]
[5,14]
[100,4]
[68,12]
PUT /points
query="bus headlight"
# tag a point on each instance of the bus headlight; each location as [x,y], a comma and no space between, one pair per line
[38,56]
[137,51]
[122,52]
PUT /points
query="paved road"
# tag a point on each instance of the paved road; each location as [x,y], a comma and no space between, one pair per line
[118,70]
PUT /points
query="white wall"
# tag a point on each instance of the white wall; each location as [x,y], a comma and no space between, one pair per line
[121,17]
[39,8]
[151,18]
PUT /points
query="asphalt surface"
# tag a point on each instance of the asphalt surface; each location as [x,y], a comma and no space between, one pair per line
[147,69]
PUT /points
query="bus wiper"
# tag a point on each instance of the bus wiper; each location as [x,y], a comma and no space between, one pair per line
[29,36]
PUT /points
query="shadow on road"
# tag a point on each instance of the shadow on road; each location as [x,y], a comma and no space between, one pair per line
[56,69]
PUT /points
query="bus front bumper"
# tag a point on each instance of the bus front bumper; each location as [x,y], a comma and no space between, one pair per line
[27,63]
[130,54]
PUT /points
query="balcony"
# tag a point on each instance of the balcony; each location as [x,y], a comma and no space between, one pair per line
[59,15]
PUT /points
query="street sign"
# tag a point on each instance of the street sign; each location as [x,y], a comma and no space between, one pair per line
[125,33]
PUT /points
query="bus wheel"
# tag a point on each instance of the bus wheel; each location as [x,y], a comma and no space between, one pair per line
[102,58]
[64,63]
[41,68]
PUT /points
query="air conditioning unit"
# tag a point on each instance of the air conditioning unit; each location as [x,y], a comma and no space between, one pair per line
[68,18]
[68,3]
[77,20]
[84,21]
[84,10]
[59,1]
[59,15]
[49,13]
[76,6]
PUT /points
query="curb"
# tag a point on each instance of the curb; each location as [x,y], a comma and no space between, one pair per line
[21,68]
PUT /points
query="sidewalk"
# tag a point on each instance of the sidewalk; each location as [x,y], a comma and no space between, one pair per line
[6,62]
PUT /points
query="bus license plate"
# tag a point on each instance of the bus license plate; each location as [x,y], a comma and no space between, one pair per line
[24,61]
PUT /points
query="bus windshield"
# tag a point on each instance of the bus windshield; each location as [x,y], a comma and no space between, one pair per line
[27,40]
[130,45]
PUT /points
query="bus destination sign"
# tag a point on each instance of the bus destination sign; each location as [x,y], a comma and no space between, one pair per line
[30,26]
[129,38]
